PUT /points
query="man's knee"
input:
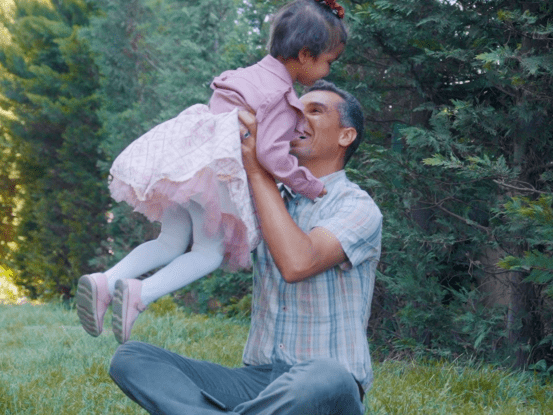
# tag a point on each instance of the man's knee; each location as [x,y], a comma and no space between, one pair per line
[124,361]
[327,379]
[330,369]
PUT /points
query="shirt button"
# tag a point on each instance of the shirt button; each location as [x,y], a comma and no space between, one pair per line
[283,308]
[281,346]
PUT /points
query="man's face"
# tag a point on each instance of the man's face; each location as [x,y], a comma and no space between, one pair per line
[323,127]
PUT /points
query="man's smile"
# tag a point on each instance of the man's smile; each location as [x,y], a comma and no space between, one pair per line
[298,140]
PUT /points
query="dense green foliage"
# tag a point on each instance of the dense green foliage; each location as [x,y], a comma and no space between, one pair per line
[458,97]
[9,292]
[50,129]
[534,217]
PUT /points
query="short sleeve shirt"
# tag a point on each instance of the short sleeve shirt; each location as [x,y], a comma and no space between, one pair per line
[324,316]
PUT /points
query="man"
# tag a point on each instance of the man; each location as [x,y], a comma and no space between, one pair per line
[307,351]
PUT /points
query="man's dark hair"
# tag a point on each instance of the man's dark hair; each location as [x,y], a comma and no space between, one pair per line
[351,113]
[305,24]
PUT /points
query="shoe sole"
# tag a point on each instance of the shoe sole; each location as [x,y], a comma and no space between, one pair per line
[120,298]
[86,300]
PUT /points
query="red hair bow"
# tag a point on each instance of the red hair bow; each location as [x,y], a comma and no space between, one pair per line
[336,8]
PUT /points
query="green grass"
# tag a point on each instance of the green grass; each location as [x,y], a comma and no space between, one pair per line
[49,365]
[445,388]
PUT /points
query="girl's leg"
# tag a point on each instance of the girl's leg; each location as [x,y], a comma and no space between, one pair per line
[95,291]
[132,296]
[205,257]
[173,240]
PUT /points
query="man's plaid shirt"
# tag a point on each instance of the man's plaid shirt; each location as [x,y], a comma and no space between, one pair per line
[325,315]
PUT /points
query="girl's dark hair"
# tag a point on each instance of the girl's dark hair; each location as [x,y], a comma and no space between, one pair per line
[305,24]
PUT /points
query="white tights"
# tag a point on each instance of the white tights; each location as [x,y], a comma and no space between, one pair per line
[177,226]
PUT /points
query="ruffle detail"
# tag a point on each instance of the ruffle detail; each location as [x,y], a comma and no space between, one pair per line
[193,157]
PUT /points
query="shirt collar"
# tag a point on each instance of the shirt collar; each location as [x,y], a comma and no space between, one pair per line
[286,192]
[276,67]
[332,178]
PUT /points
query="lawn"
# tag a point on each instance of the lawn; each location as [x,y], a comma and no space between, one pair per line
[49,365]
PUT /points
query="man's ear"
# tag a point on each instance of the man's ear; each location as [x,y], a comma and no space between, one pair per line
[347,136]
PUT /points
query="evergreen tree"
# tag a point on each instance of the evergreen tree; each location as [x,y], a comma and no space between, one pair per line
[8,195]
[457,95]
[8,174]
[48,81]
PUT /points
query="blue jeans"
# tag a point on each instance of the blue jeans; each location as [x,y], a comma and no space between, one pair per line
[166,383]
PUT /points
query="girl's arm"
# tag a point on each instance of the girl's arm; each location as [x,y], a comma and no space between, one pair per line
[275,121]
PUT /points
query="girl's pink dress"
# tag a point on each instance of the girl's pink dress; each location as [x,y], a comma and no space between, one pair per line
[197,156]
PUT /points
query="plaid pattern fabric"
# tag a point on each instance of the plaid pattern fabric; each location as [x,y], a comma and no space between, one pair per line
[325,315]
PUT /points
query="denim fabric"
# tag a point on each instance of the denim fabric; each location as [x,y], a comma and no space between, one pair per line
[166,383]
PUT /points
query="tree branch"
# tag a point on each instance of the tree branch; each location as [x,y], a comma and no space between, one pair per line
[541,167]
[532,189]
[466,221]
[386,121]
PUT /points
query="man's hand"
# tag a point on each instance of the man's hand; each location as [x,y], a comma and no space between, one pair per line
[296,254]
[248,135]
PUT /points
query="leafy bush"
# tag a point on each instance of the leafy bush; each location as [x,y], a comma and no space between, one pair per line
[536,217]
[9,292]
[457,126]
[220,292]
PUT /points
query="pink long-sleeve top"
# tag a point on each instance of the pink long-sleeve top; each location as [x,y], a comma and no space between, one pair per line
[266,88]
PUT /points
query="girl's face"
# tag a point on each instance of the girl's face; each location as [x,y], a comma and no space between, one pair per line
[313,69]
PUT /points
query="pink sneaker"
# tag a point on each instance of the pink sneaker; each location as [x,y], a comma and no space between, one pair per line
[92,300]
[127,305]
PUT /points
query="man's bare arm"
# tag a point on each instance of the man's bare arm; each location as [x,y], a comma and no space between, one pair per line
[296,254]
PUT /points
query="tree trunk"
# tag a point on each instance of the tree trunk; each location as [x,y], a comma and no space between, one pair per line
[506,288]
[524,325]
[419,212]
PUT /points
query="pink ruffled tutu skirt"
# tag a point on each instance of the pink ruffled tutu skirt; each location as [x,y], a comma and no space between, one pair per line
[195,156]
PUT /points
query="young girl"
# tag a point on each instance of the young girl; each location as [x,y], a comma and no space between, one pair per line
[187,172]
